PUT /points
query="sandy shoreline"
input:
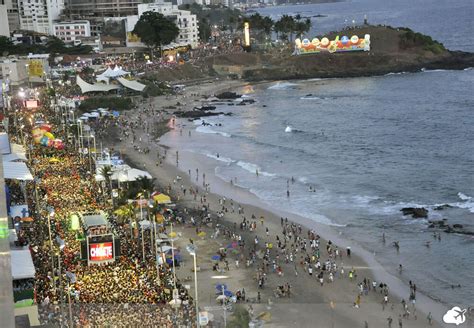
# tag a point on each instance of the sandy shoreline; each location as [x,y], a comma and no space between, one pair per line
[307,304]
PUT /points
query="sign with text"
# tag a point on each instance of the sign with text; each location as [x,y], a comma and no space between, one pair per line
[101,251]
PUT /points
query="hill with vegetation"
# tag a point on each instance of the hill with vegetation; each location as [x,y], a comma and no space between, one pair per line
[392,50]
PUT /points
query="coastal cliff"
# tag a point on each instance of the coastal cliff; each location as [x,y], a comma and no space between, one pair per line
[392,50]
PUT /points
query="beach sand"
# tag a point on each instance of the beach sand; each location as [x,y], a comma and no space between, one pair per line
[310,305]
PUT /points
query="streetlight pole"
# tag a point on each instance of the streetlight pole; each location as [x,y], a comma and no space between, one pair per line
[71,324]
[192,250]
[196,289]
[141,221]
[50,238]
[172,257]
[60,288]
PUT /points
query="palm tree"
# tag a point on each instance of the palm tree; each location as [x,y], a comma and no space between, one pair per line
[106,172]
[146,185]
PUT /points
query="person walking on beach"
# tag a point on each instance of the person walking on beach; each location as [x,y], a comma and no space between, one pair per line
[430,319]
[389,321]
[400,322]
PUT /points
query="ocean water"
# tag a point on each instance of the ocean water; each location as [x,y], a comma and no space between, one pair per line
[368,146]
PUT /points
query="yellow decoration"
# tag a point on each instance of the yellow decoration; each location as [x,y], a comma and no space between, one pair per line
[35,68]
[49,135]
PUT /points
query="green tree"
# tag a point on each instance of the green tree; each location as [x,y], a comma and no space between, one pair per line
[267,25]
[55,45]
[285,26]
[106,173]
[5,45]
[302,27]
[146,185]
[156,30]
[204,30]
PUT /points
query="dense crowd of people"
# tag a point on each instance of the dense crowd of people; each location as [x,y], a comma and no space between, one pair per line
[122,293]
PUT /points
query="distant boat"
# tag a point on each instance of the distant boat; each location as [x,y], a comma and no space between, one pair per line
[288,129]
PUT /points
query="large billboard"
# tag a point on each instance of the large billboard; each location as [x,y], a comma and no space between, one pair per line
[343,44]
[101,252]
[35,68]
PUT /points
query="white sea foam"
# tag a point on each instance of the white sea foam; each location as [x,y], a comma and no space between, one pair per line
[221,158]
[464,196]
[432,70]
[468,202]
[303,180]
[393,73]
[282,86]
[252,168]
[363,200]
[310,98]
[207,129]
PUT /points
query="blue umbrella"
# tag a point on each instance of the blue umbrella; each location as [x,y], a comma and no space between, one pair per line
[221,287]
[228,293]
[216,258]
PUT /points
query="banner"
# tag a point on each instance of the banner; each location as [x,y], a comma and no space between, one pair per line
[344,44]
[101,251]
[35,68]
[21,211]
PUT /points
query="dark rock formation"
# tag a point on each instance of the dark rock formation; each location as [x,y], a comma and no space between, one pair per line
[442,207]
[416,212]
[228,95]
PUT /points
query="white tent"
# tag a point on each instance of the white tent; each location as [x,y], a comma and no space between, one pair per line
[4,143]
[16,171]
[112,73]
[145,224]
[22,264]
[134,174]
[87,87]
[134,85]
[14,157]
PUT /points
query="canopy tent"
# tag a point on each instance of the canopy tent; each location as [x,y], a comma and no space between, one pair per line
[134,85]
[16,148]
[134,174]
[14,157]
[5,143]
[124,173]
[98,87]
[112,73]
[161,198]
[22,264]
[16,171]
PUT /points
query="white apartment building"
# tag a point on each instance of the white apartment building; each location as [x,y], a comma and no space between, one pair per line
[187,22]
[72,31]
[38,15]
[12,13]
[4,26]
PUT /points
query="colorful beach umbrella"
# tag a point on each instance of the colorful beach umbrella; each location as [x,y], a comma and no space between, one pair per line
[160,198]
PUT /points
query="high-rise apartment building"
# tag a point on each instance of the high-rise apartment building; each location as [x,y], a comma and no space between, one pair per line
[12,13]
[38,15]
